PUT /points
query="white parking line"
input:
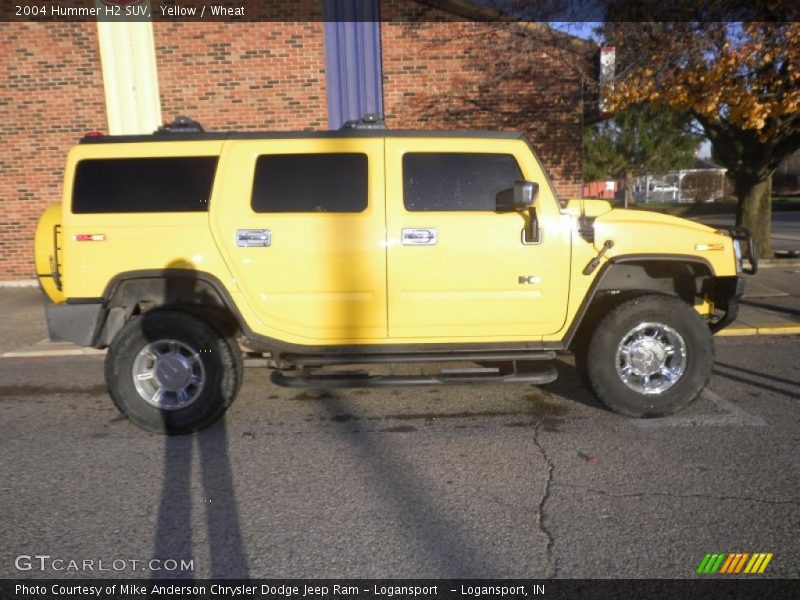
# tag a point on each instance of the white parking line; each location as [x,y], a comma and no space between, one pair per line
[731,415]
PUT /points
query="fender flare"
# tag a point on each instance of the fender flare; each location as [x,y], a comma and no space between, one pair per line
[604,282]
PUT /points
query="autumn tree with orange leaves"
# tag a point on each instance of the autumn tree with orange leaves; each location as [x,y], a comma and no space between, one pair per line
[739,81]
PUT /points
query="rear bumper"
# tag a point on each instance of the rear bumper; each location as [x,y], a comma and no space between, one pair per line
[76,323]
[727,293]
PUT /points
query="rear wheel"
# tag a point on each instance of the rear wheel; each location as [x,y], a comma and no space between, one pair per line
[649,356]
[171,372]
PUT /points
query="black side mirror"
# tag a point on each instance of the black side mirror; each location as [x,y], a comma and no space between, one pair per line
[520,197]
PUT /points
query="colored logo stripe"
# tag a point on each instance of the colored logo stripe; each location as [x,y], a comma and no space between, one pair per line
[737,562]
[711,563]
[741,562]
[726,566]
[758,563]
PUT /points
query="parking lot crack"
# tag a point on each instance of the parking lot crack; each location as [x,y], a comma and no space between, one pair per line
[541,515]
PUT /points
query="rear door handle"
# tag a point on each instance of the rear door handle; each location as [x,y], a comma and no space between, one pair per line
[253,238]
[419,237]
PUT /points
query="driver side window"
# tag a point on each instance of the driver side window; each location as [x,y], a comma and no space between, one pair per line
[453,181]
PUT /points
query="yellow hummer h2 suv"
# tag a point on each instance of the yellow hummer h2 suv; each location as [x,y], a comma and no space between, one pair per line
[365,246]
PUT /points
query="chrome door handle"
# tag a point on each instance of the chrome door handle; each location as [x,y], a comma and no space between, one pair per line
[419,237]
[253,238]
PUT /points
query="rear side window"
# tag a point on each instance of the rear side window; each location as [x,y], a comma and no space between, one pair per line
[310,183]
[134,185]
[456,181]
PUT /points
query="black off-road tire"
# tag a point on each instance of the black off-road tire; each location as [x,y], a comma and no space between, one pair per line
[221,361]
[601,306]
[596,359]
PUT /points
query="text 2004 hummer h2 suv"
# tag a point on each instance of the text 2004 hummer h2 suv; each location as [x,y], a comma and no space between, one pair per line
[367,246]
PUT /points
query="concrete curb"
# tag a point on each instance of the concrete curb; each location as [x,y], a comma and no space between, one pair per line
[48,349]
[769,263]
[249,363]
[15,283]
[44,353]
[760,330]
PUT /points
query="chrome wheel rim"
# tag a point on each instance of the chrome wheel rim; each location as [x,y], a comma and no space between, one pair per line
[651,358]
[168,374]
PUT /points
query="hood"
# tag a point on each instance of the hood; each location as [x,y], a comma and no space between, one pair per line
[647,233]
[604,213]
[646,218]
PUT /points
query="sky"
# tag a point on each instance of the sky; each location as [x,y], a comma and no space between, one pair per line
[579,29]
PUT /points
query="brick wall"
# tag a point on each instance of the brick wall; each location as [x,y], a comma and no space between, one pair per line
[51,93]
[444,73]
[244,76]
[267,76]
[437,76]
[256,76]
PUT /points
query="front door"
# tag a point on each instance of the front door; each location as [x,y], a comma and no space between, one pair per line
[303,233]
[458,270]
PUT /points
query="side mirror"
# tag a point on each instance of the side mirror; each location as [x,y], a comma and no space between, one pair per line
[520,197]
[525,193]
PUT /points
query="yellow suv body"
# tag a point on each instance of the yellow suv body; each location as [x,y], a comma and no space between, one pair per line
[358,246]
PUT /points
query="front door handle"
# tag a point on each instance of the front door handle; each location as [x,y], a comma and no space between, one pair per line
[419,237]
[253,238]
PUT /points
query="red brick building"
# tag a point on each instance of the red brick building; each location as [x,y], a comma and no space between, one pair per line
[447,71]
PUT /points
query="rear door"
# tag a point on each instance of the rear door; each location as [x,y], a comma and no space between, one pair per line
[301,223]
[458,270]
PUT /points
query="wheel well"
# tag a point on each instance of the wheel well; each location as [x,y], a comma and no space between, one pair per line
[688,280]
[184,291]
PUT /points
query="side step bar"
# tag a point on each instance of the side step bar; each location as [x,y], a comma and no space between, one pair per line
[362,379]
[318,360]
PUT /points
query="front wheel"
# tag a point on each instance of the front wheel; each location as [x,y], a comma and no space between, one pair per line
[649,357]
[170,372]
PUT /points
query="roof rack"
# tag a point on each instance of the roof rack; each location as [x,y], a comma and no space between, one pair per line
[187,129]
[180,124]
[368,121]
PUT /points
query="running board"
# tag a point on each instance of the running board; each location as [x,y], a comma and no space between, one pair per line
[319,360]
[362,379]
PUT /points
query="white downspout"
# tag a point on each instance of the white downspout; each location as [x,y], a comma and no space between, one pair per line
[130,77]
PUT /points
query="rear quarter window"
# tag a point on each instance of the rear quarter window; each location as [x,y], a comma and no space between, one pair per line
[135,185]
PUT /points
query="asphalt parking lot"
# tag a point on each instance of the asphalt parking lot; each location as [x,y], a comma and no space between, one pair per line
[499,481]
